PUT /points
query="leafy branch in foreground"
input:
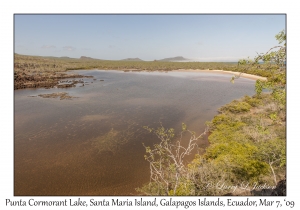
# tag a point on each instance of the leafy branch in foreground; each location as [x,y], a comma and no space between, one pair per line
[273,153]
[275,57]
[275,63]
[167,168]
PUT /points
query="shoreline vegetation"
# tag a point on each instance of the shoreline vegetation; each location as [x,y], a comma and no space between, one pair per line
[247,138]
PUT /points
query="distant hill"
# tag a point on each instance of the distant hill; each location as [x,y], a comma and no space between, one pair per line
[53,57]
[132,59]
[87,58]
[177,58]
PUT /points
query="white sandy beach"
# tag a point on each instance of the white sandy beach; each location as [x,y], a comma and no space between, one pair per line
[249,76]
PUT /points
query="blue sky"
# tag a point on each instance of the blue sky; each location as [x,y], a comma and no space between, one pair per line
[148,37]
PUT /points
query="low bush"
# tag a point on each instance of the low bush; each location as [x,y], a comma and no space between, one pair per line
[253,101]
[236,107]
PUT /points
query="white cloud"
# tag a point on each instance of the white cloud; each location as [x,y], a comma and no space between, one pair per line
[69,48]
[48,47]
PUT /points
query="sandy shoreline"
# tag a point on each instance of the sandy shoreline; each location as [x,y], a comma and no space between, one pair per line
[249,76]
[244,75]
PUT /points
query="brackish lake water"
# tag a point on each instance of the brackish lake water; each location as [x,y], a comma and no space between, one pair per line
[92,144]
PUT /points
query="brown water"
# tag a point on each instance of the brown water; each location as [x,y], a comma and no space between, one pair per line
[92,145]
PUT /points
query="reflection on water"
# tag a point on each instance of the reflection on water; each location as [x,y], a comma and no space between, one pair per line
[92,145]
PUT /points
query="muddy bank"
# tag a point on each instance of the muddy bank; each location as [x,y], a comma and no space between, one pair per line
[60,95]
[45,80]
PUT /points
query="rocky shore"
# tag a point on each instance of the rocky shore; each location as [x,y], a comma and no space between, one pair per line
[45,80]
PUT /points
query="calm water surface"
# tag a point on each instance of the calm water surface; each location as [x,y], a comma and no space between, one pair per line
[92,145]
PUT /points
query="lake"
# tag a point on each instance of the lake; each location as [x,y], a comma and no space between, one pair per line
[92,144]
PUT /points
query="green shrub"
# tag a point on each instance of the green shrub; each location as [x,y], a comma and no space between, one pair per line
[253,101]
[236,107]
[280,96]
[239,159]
[251,170]
[225,132]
